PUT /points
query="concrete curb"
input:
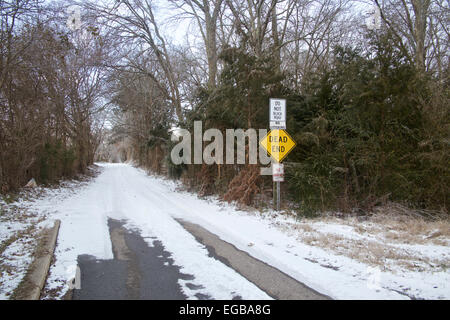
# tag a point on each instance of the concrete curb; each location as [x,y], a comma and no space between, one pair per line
[34,280]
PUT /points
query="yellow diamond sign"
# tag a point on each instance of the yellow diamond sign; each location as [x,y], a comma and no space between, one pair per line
[278,144]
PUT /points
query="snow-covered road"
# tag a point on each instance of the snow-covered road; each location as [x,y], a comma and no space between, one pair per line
[150,207]
[125,193]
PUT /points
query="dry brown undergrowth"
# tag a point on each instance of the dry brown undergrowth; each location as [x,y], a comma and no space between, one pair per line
[381,235]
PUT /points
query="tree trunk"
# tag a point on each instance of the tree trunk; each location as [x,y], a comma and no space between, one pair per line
[420,8]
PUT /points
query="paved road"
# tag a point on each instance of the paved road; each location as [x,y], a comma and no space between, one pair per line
[156,256]
[139,271]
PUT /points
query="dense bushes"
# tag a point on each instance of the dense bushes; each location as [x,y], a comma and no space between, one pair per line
[365,129]
[238,102]
[55,161]
[366,135]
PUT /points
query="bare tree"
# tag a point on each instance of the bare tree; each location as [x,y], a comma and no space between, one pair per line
[134,23]
[206,14]
[13,15]
[421,28]
[252,20]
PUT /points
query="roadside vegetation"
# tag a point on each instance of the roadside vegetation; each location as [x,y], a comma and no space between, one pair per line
[368,107]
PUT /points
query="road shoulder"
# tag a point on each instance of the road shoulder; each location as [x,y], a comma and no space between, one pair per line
[269,279]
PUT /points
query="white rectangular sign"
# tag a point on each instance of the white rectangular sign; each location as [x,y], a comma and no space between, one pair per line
[277,116]
[278,172]
[277,125]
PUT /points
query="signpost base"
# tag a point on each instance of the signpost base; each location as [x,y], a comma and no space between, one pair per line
[278,196]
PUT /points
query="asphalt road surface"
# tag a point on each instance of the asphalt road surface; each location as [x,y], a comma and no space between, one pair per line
[139,271]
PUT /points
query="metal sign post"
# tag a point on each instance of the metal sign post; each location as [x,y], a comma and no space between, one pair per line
[278,196]
[278,177]
[277,111]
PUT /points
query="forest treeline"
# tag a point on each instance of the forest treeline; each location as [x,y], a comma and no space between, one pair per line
[50,85]
[367,102]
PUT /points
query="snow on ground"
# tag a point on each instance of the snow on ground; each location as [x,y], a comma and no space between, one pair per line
[150,204]
[14,261]
[124,193]
[271,238]
[20,225]
[17,244]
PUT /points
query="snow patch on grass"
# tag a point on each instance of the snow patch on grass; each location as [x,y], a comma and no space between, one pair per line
[22,218]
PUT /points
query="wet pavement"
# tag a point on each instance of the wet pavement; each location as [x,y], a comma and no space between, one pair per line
[138,271]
